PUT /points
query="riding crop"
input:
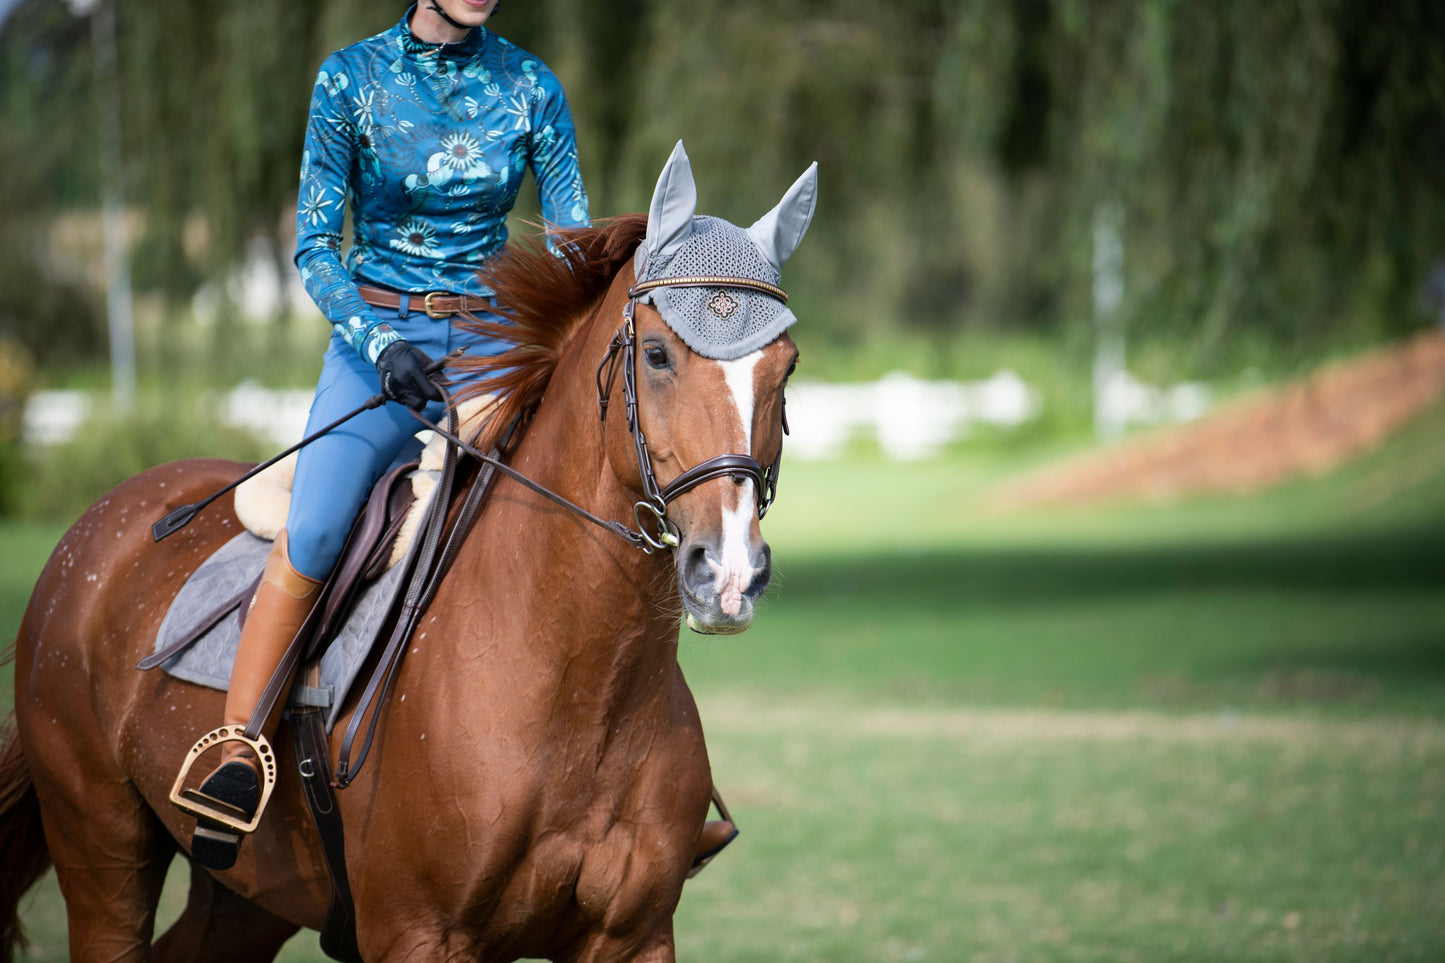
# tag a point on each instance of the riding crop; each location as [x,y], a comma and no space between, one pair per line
[179,518]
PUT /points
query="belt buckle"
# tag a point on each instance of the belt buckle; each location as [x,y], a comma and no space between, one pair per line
[433,312]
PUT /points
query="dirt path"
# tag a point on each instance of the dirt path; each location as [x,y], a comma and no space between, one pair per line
[1306,427]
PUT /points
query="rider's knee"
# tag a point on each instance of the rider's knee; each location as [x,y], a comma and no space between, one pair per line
[313,550]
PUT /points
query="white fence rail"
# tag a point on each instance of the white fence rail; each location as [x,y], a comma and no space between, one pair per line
[908,418]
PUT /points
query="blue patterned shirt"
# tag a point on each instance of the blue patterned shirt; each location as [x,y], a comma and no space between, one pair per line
[428,143]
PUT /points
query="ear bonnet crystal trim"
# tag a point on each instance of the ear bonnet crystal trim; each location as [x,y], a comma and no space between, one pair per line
[683,251]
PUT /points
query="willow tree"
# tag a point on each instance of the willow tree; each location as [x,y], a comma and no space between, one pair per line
[1276,165]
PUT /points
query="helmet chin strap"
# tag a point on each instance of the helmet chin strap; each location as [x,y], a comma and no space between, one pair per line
[432,5]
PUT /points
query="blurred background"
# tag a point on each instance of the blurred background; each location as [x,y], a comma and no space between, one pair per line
[1109,619]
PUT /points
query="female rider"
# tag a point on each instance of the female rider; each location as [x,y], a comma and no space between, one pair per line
[427,130]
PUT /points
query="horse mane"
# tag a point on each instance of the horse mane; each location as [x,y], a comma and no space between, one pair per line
[545,297]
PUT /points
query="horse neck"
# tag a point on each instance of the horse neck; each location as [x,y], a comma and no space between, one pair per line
[590,606]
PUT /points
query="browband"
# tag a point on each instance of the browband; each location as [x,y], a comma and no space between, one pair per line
[708,281]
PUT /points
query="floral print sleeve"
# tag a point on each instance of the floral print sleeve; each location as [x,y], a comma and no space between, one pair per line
[553,156]
[326,163]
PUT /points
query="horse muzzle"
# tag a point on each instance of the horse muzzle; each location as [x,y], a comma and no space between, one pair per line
[720,583]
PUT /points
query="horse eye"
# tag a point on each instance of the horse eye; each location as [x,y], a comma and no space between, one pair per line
[656,356]
[791,368]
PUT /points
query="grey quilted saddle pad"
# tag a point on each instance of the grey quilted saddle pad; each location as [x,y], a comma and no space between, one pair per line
[235,565]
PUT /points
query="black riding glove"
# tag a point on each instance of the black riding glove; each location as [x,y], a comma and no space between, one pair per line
[402,367]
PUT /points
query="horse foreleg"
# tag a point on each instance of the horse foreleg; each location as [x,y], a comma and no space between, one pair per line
[219,926]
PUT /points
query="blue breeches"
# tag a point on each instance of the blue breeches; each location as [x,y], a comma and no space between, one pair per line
[335,473]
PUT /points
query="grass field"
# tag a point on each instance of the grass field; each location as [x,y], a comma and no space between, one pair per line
[1210,731]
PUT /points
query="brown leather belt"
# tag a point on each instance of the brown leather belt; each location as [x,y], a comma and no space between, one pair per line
[436,304]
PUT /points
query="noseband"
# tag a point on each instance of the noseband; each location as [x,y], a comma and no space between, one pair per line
[738,467]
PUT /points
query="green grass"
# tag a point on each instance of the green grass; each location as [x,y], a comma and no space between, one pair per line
[1210,730]
[1353,620]
[898,583]
[26,547]
[1038,835]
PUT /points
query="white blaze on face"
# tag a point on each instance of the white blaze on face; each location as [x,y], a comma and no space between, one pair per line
[734,572]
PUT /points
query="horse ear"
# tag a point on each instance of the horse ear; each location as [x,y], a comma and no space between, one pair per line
[778,232]
[669,221]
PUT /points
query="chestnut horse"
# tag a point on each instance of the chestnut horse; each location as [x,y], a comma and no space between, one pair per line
[540,779]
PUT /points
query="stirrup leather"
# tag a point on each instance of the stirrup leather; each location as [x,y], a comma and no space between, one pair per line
[204,807]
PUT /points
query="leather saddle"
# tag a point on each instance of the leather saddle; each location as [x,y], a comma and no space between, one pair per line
[366,556]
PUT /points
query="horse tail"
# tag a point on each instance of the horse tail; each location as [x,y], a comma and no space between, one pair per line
[24,857]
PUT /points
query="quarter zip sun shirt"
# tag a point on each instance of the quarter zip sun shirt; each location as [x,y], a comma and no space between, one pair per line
[428,143]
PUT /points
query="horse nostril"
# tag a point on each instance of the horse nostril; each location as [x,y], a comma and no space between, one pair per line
[696,572]
[762,573]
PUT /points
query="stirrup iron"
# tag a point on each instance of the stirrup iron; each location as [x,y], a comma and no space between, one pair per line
[203,807]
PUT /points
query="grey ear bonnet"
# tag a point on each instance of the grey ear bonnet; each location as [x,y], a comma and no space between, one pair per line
[722,323]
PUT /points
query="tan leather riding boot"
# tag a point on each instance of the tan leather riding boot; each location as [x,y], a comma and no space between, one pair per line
[283,600]
[280,606]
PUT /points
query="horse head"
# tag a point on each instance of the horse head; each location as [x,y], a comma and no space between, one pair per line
[712,356]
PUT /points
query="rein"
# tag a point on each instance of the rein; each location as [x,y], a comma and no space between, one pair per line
[738,467]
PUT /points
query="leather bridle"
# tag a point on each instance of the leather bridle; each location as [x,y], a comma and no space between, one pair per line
[657,497]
